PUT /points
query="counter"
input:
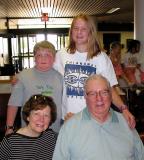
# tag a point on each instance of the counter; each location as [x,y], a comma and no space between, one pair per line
[5,84]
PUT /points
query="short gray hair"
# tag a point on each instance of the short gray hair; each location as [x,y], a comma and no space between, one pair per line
[97,77]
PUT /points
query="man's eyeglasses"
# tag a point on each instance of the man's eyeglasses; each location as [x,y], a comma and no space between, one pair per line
[102,93]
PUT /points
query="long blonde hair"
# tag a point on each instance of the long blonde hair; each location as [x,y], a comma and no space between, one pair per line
[93,45]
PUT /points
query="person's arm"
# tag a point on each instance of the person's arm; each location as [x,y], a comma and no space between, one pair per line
[108,72]
[68,116]
[117,101]
[14,80]
[126,79]
[15,101]
[11,115]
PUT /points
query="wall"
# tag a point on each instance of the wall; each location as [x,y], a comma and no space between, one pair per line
[124,37]
[2,24]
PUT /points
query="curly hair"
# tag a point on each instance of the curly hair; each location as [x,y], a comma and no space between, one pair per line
[39,102]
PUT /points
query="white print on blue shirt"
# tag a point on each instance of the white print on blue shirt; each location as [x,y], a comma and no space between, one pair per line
[75,76]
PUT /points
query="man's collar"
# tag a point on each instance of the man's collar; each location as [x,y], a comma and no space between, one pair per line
[86,115]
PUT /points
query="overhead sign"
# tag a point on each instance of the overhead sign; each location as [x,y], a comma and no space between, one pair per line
[44,17]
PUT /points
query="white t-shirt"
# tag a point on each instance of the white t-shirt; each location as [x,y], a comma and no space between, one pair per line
[76,69]
[131,60]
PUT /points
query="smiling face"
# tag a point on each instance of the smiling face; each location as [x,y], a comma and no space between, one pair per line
[80,32]
[39,120]
[44,59]
[98,97]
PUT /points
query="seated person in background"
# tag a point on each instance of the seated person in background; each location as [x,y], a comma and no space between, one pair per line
[41,79]
[131,62]
[115,56]
[35,140]
[98,132]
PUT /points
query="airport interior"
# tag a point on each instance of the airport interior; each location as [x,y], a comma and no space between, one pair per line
[23,23]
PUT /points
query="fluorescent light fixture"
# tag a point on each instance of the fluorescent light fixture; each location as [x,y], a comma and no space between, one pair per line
[112,10]
[46,10]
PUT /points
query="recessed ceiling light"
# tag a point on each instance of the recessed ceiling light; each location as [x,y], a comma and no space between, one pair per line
[112,10]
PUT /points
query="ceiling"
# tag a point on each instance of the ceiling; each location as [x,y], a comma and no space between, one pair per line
[62,11]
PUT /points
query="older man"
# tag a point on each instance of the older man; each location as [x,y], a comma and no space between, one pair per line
[98,132]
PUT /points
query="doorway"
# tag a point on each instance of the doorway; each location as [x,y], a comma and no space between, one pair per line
[108,38]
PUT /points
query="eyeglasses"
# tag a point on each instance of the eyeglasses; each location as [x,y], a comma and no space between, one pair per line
[102,93]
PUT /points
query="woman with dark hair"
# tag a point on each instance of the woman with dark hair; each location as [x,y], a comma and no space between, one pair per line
[35,140]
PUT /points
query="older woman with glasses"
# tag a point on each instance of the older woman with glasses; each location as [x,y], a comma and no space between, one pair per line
[35,140]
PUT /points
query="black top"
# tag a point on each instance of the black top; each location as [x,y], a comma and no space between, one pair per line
[20,147]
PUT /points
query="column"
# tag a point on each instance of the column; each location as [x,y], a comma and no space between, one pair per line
[139,22]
